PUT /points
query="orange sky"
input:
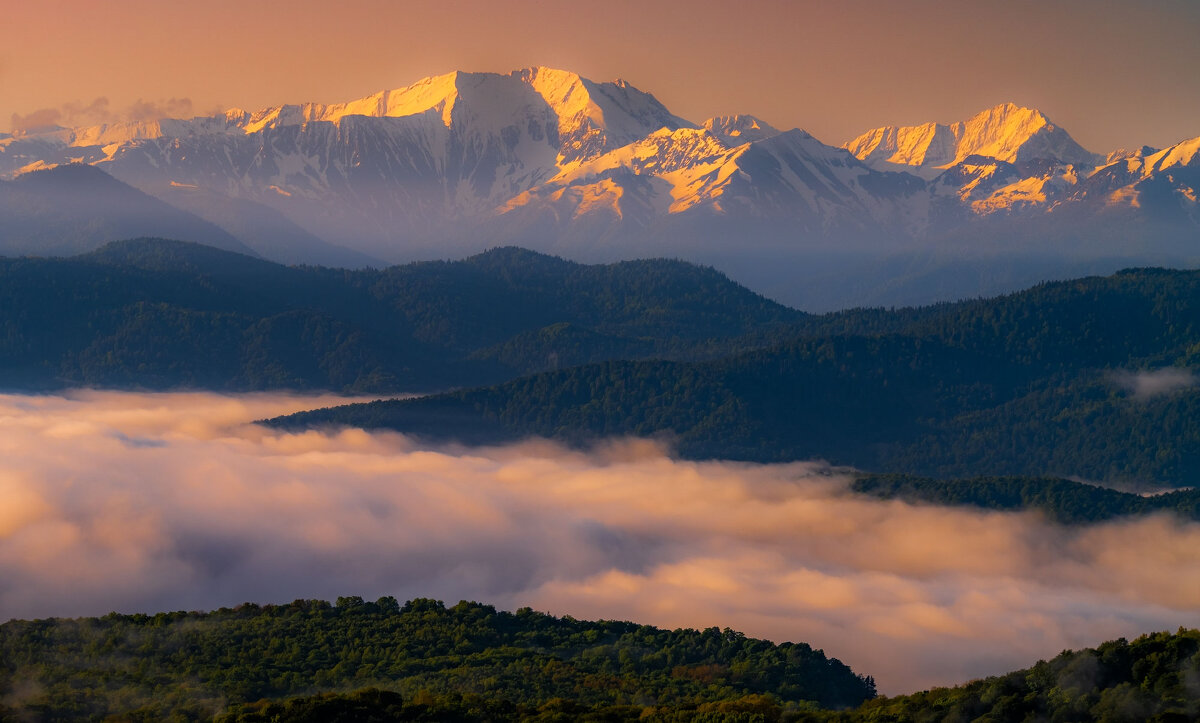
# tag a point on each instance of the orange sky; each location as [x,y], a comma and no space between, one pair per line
[1111,73]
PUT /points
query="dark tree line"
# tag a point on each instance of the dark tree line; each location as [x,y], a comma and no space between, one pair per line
[191,666]
[1035,384]
[163,314]
[1060,500]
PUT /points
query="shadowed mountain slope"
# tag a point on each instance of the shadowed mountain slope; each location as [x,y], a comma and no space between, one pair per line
[76,208]
[160,314]
[1089,378]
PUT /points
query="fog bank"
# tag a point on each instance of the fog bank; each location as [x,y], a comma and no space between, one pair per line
[148,502]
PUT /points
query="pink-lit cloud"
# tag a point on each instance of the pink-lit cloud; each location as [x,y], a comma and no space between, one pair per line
[150,502]
[99,111]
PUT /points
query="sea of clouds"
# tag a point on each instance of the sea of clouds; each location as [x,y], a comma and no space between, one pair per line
[147,502]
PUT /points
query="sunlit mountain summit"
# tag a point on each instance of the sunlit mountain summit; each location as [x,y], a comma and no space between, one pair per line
[1006,132]
[547,159]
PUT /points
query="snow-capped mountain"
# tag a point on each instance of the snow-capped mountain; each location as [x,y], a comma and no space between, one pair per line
[672,190]
[404,167]
[1160,187]
[1006,132]
[1014,162]
[597,171]
[737,129]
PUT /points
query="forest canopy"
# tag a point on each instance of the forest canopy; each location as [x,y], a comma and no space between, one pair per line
[194,665]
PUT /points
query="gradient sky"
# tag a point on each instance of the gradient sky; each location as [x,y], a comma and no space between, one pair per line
[1114,74]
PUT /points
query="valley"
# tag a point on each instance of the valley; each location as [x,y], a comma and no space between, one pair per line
[626,362]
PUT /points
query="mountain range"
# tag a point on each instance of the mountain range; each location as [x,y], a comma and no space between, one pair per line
[1088,379]
[546,159]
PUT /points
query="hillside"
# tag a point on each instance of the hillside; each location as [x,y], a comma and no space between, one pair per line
[1087,378]
[190,666]
[76,208]
[1147,679]
[153,314]
[1151,678]
[380,661]
[1060,500]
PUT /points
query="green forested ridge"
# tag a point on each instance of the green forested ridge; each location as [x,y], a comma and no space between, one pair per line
[1026,384]
[1153,678]
[359,661]
[1060,500]
[373,705]
[161,314]
[1029,384]
[191,666]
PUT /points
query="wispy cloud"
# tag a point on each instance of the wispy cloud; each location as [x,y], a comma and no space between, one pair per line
[99,110]
[150,502]
[1149,384]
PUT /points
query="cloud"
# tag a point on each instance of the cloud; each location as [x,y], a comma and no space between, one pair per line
[146,502]
[99,111]
[41,118]
[144,110]
[1149,384]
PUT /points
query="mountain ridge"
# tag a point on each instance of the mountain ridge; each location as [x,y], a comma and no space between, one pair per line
[1005,132]
[545,158]
[155,314]
[73,208]
[1033,384]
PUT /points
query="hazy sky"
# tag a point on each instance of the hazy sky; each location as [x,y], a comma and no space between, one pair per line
[1111,73]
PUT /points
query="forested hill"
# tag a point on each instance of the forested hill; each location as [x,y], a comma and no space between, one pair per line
[191,666]
[1060,500]
[1088,378]
[375,662]
[162,314]
[1152,678]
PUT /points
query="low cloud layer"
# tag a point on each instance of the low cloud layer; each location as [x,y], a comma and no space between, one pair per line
[98,111]
[142,502]
[1149,384]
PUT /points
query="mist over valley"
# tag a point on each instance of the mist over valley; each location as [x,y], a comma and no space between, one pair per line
[141,502]
[524,396]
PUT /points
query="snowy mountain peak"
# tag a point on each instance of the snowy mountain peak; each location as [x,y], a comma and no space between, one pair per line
[577,117]
[436,92]
[1001,132]
[544,76]
[1007,132]
[588,118]
[594,118]
[1124,154]
[1185,153]
[931,144]
[1130,166]
[738,129]
[546,156]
